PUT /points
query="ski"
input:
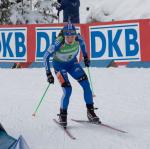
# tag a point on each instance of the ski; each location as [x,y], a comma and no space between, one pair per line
[100,124]
[65,130]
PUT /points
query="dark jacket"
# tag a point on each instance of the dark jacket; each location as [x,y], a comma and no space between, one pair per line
[59,1]
[70,10]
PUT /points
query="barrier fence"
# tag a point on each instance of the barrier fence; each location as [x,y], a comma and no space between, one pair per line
[120,41]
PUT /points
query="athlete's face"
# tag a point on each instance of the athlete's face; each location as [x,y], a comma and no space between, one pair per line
[70,39]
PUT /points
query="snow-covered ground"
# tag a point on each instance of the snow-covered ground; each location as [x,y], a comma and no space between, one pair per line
[122,95]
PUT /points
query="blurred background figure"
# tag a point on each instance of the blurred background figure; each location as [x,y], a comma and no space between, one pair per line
[70,10]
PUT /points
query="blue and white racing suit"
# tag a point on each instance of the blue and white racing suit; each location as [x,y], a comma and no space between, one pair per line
[64,63]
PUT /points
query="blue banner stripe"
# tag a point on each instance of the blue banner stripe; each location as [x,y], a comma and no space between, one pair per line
[51,29]
[13,29]
[41,60]
[134,25]
[13,59]
[125,59]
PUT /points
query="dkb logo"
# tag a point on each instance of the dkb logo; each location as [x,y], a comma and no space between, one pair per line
[118,42]
[13,46]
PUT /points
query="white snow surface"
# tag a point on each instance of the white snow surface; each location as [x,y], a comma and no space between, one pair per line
[122,96]
[107,10]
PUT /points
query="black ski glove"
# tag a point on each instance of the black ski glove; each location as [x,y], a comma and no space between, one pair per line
[86,61]
[50,78]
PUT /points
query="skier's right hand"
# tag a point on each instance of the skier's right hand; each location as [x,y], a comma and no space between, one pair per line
[50,78]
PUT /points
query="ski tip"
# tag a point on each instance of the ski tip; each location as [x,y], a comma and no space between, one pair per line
[119,130]
[124,131]
[74,138]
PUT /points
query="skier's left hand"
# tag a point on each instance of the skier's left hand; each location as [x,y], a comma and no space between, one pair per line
[86,61]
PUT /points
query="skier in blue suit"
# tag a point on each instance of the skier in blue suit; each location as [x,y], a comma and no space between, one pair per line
[70,10]
[64,52]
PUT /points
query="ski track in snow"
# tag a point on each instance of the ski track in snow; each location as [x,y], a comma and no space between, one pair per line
[122,96]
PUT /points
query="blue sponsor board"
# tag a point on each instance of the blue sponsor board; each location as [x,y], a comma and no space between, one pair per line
[117,42]
[45,36]
[13,44]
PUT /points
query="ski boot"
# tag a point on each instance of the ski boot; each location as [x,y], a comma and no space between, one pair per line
[63,118]
[91,114]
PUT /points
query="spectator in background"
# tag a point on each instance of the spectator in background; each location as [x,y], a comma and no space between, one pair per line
[70,10]
[59,1]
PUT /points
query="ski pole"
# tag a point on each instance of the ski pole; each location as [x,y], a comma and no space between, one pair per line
[91,82]
[40,101]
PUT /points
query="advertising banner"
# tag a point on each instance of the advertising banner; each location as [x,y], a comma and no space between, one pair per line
[45,36]
[121,41]
[13,44]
